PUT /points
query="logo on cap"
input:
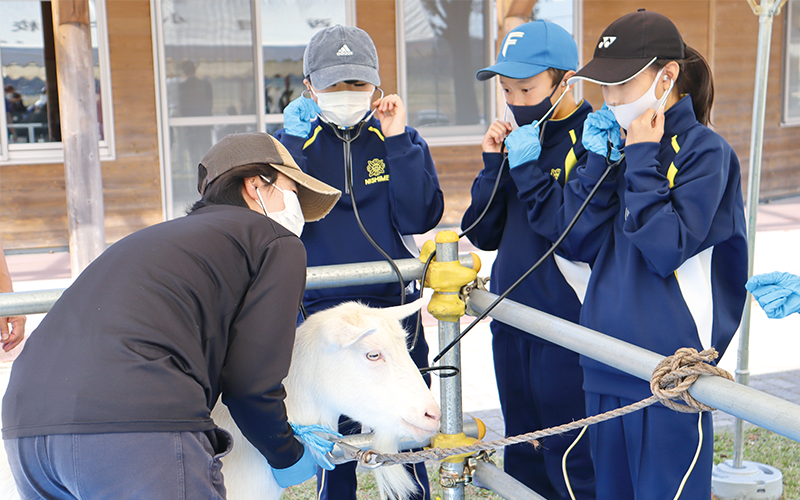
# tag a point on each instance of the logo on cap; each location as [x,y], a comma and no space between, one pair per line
[607,40]
[344,51]
[511,39]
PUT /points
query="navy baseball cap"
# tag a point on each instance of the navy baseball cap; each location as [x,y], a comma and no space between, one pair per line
[629,45]
[532,48]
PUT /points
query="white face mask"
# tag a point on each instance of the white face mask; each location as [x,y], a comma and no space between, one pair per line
[626,113]
[345,107]
[291,217]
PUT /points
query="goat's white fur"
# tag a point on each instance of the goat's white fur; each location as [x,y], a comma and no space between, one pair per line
[330,375]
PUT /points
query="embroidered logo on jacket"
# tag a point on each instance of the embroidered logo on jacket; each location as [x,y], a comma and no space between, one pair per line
[555,172]
[376,169]
[344,51]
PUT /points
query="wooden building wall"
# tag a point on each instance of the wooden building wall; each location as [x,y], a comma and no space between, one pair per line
[33,207]
[726,33]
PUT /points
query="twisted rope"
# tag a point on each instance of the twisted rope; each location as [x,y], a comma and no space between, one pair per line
[671,380]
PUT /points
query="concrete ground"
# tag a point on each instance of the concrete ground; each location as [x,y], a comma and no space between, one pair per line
[774,344]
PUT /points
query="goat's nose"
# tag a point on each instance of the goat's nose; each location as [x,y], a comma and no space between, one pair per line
[433,414]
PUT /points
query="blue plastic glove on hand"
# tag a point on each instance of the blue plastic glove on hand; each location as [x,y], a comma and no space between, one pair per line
[297,116]
[303,470]
[523,145]
[315,447]
[315,437]
[777,293]
[599,128]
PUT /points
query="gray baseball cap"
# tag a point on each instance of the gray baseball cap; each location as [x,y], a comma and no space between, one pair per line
[237,150]
[341,53]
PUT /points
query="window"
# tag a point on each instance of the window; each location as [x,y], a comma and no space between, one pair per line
[444,43]
[286,28]
[791,65]
[31,125]
[227,66]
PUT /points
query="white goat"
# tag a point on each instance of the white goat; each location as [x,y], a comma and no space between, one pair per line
[348,360]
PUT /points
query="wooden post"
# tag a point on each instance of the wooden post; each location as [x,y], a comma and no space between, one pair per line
[79,134]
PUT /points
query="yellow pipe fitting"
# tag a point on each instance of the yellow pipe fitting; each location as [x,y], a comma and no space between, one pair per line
[453,441]
[447,279]
[446,307]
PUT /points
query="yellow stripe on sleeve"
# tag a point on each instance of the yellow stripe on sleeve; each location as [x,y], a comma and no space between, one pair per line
[569,162]
[313,137]
[573,136]
[671,174]
[373,129]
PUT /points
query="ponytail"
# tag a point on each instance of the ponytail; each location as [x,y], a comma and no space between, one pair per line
[696,80]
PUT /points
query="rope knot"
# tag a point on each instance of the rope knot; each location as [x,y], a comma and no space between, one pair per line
[675,374]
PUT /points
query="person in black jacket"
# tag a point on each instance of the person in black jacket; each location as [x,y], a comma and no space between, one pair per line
[118,382]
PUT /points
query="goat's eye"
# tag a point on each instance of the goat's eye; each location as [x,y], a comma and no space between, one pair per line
[374,356]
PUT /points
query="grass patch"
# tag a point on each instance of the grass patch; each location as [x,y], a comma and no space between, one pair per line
[765,447]
[760,446]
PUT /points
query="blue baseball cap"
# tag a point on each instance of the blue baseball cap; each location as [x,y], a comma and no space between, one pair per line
[532,48]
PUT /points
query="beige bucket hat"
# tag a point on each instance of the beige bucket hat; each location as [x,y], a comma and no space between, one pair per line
[236,150]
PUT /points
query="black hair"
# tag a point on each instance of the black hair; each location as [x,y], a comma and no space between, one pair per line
[227,188]
[556,75]
[696,80]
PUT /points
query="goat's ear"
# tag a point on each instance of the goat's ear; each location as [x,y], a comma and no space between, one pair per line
[401,312]
[349,335]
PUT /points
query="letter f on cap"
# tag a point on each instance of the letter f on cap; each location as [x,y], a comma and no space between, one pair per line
[511,39]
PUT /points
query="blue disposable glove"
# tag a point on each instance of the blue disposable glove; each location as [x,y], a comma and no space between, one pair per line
[599,128]
[315,447]
[303,470]
[778,294]
[317,438]
[523,145]
[297,116]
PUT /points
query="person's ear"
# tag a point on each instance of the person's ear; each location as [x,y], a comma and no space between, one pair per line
[251,185]
[671,72]
[569,74]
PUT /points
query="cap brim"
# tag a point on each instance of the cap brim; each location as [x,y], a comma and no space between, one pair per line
[325,77]
[511,69]
[316,198]
[609,71]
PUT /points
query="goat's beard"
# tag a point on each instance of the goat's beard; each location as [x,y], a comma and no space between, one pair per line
[394,482]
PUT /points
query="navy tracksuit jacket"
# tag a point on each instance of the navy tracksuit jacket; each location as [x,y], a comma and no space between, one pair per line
[539,383]
[667,240]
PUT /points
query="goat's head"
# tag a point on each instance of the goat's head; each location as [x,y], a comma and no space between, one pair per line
[355,360]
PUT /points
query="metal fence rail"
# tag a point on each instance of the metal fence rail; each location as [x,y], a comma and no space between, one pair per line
[362,273]
[762,409]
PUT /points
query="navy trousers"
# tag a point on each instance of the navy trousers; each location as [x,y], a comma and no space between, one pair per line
[122,466]
[645,455]
[341,483]
[540,386]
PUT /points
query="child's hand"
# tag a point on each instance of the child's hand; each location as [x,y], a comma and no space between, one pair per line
[497,133]
[392,114]
[647,128]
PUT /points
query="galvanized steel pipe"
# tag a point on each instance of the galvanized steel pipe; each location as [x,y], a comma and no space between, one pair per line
[365,440]
[488,475]
[761,409]
[450,387]
[361,273]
